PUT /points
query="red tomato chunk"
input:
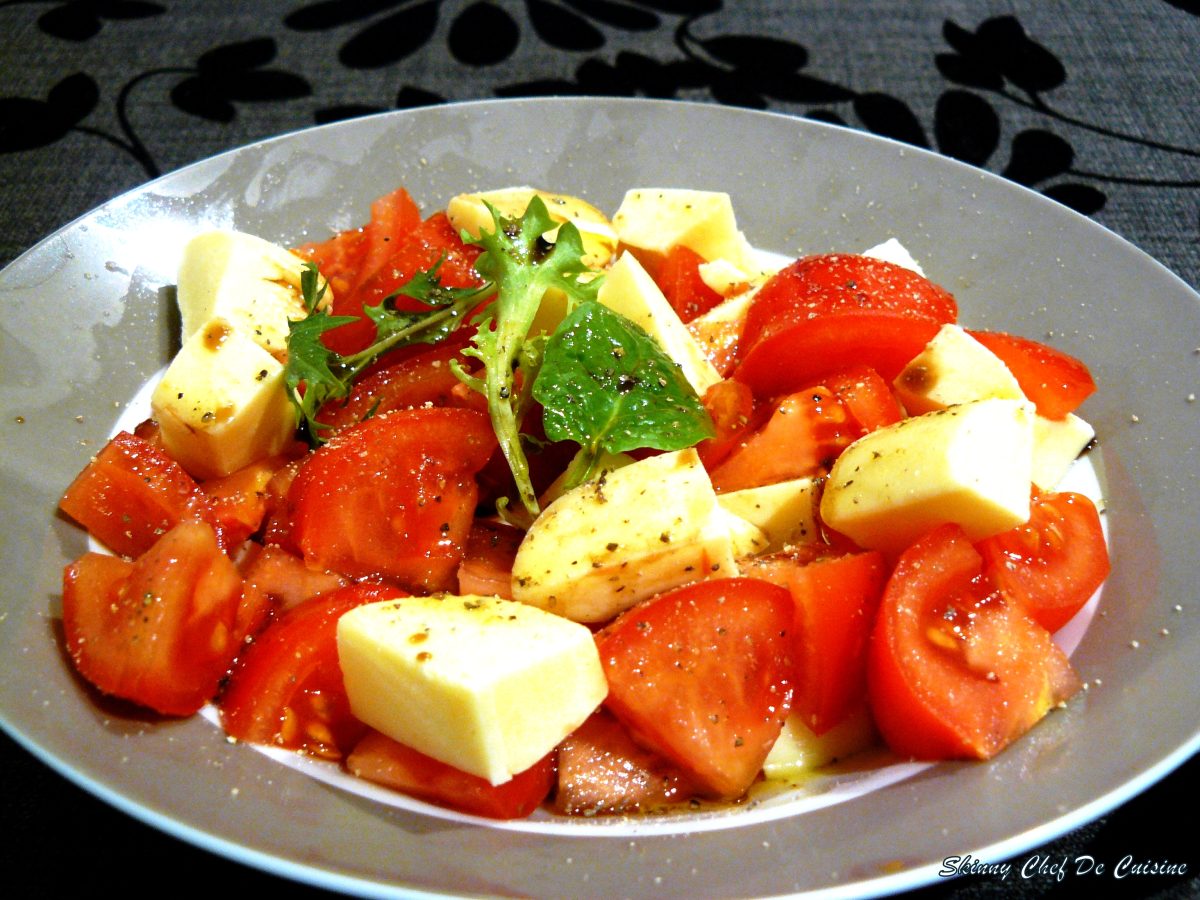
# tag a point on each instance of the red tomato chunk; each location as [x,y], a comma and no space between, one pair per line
[393,497]
[287,689]
[161,631]
[700,674]
[380,759]
[956,669]
[130,494]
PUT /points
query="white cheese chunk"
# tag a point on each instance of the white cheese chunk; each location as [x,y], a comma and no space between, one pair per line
[469,212]
[629,290]
[640,530]
[896,253]
[1056,444]
[969,464]
[798,751]
[785,511]
[222,403]
[486,685]
[726,279]
[650,221]
[953,368]
[251,283]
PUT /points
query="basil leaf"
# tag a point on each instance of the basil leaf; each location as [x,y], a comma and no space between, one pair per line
[609,386]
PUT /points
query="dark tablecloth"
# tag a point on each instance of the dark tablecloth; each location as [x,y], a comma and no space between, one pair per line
[1093,104]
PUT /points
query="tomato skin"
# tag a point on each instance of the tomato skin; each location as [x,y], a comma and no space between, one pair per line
[603,771]
[415,251]
[680,281]
[393,497]
[730,404]
[866,396]
[836,600]
[806,431]
[1056,382]
[286,689]
[384,761]
[816,286]
[808,350]
[699,674]
[956,670]
[163,630]
[423,378]
[1053,563]
[129,494]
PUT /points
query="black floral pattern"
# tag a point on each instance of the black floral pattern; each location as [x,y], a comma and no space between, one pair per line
[78,20]
[996,76]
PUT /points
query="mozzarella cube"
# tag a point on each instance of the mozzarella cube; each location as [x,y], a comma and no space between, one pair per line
[728,280]
[250,283]
[786,511]
[745,538]
[1056,444]
[651,221]
[896,253]
[969,464]
[629,290]
[798,751]
[483,684]
[469,213]
[953,368]
[222,403]
[639,530]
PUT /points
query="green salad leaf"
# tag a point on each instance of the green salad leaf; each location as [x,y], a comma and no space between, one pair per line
[608,385]
[524,266]
[314,374]
[602,381]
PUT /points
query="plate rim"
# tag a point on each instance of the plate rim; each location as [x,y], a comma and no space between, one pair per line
[287,868]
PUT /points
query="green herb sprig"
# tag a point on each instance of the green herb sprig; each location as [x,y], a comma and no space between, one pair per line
[601,379]
[314,374]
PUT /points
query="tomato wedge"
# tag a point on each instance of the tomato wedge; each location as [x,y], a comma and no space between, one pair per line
[603,771]
[379,759]
[238,502]
[680,281]
[418,250]
[816,286]
[955,669]
[422,379]
[836,600]
[1055,562]
[700,675]
[393,497]
[804,353]
[805,433]
[1056,382]
[488,561]
[130,494]
[161,631]
[286,689]
[730,404]
[866,396]
[284,578]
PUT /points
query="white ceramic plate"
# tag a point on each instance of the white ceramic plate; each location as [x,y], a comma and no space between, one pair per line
[1015,261]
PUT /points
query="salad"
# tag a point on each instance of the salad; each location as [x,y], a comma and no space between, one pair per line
[515,505]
